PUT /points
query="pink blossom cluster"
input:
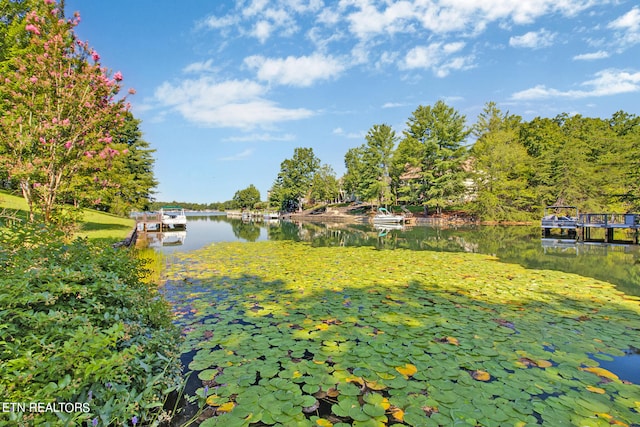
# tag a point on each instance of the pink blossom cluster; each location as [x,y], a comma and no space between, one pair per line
[32,29]
[108,152]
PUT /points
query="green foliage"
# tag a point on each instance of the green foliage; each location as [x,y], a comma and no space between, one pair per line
[64,134]
[324,186]
[502,169]
[79,324]
[294,179]
[246,198]
[126,185]
[368,166]
[428,167]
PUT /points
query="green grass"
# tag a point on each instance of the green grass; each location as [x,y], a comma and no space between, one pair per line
[95,225]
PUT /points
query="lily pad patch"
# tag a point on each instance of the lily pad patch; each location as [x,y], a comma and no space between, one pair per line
[285,333]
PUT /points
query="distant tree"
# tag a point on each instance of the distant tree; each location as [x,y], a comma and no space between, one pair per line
[406,172]
[246,198]
[502,168]
[381,140]
[355,170]
[368,166]
[578,161]
[435,135]
[59,110]
[324,185]
[294,180]
[627,129]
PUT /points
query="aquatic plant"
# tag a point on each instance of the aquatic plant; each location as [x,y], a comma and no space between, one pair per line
[284,333]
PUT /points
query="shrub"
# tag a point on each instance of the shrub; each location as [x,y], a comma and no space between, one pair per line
[78,324]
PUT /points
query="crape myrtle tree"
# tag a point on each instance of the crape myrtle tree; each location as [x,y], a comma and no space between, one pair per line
[60,110]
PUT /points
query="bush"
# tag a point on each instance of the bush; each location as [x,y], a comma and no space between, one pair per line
[78,324]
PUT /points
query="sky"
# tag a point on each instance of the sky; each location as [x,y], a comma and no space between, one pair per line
[226,90]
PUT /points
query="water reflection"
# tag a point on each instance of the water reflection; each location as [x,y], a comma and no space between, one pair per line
[522,245]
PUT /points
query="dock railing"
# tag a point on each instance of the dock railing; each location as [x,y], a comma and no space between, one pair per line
[602,220]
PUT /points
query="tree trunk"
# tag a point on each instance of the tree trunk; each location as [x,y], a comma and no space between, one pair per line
[26,193]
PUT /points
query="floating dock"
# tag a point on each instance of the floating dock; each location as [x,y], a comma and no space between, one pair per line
[166,219]
[580,227]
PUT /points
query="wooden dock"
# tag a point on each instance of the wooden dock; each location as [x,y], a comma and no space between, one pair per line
[581,227]
[153,221]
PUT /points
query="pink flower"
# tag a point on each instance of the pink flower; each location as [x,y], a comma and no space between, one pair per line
[125,151]
[117,76]
[68,144]
[88,154]
[66,122]
[33,29]
[95,56]
[44,141]
[132,91]
[48,1]
[33,79]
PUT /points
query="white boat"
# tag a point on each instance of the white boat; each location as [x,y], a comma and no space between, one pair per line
[271,215]
[173,216]
[385,217]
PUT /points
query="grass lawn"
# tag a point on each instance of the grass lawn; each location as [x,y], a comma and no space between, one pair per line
[285,333]
[95,225]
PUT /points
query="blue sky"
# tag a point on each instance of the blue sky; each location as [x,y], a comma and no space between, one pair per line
[227,89]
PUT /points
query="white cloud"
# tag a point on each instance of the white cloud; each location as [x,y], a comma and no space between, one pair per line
[262,30]
[436,57]
[261,137]
[253,8]
[533,39]
[369,21]
[232,103]
[240,156]
[629,24]
[295,71]
[592,56]
[605,83]
[219,22]
[393,105]
[199,67]
[369,18]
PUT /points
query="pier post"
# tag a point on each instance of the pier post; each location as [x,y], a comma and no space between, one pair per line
[609,235]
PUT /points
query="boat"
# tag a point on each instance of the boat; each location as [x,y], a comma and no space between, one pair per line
[385,217]
[173,216]
[560,217]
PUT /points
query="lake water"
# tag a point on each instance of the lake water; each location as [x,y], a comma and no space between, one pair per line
[617,264]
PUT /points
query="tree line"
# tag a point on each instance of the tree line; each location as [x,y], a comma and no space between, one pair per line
[500,168]
[67,136]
